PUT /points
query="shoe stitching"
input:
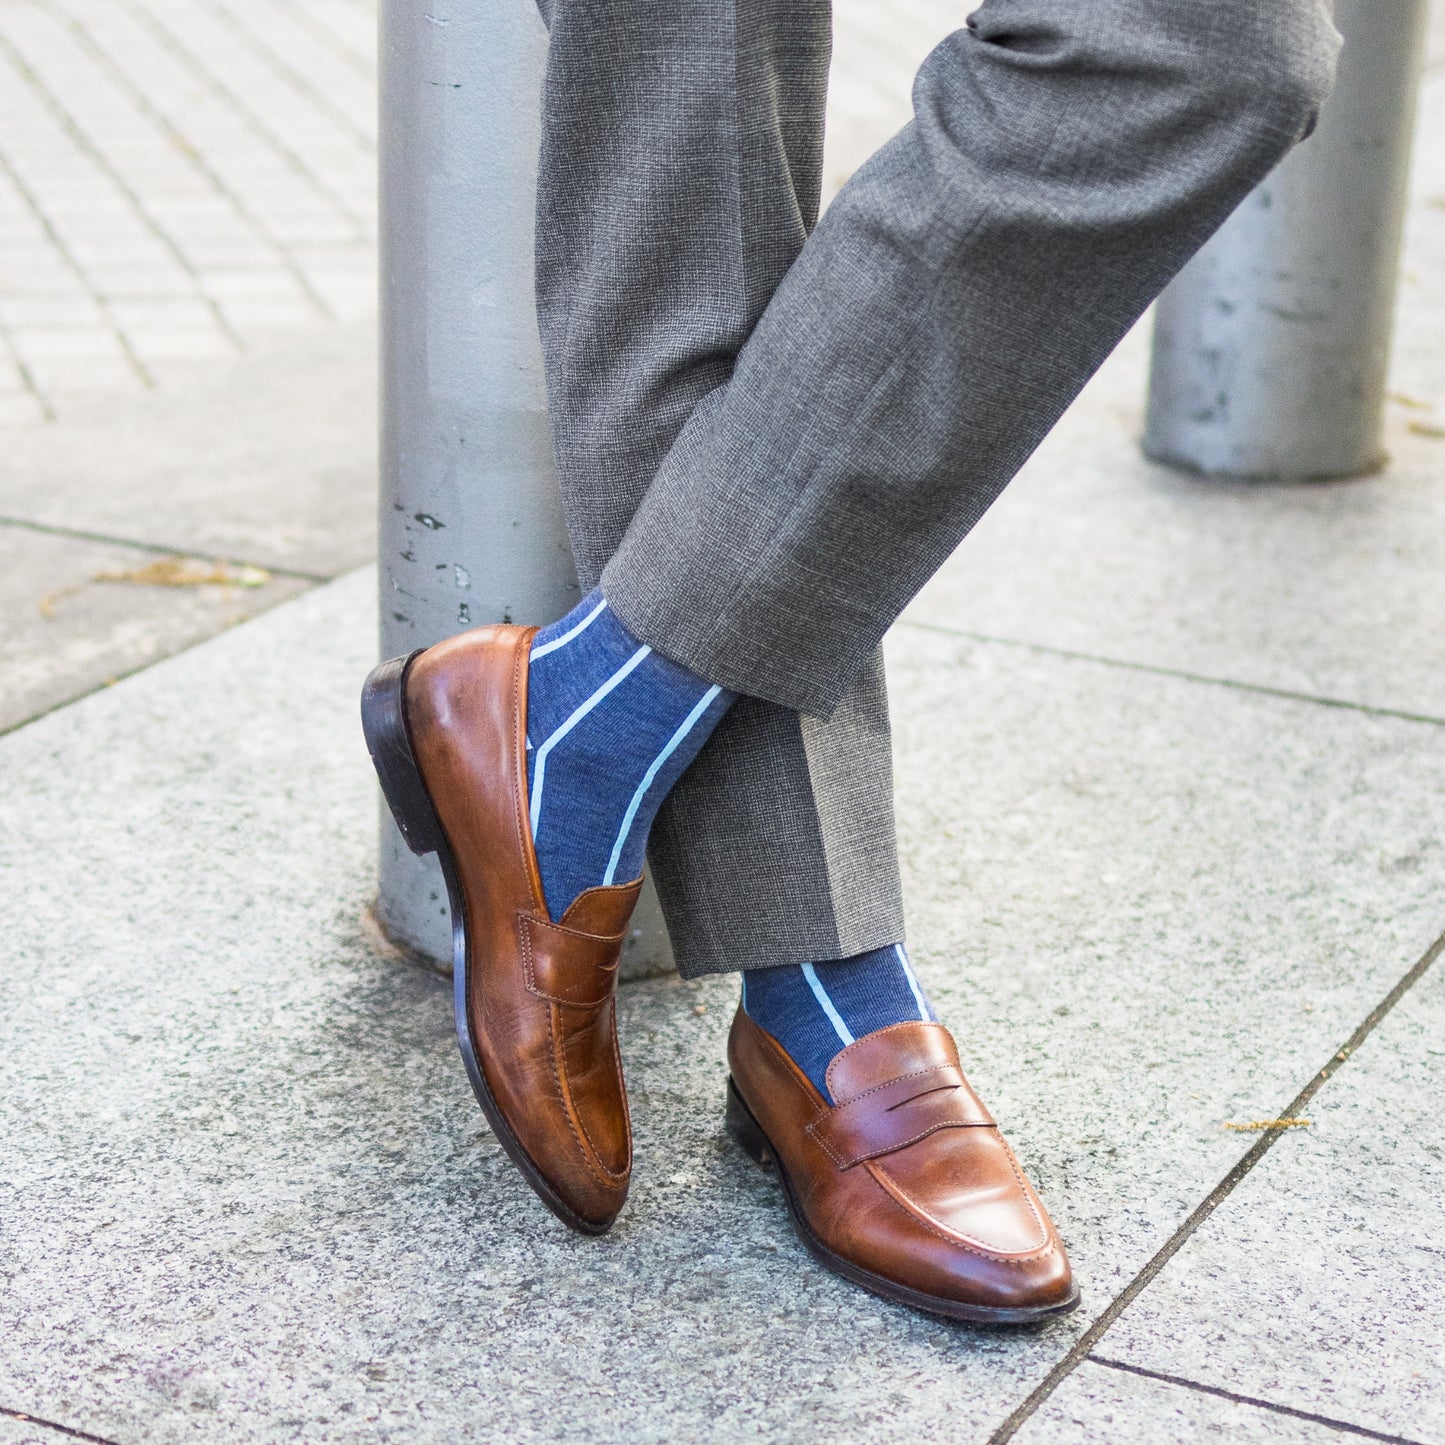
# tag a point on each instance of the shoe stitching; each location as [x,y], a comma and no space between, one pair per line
[621,1091]
[589,1154]
[589,1157]
[518,771]
[843,1053]
[916,1214]
[574,932]
[791,1071]
[988,1120]
[1024,1186]
[901,1196]
[917,1074]
[843,1163]
[594,1156]
[530,972]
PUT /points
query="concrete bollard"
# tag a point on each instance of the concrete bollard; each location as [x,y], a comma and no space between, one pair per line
[470,527]
[1271,346]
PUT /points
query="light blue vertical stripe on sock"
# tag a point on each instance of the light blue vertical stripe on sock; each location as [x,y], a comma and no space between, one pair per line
[826,1004]
[912,982]
[567,636]
[673,743]
[540,766]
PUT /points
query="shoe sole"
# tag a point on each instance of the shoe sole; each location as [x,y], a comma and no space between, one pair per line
[388,740]
[748,1135]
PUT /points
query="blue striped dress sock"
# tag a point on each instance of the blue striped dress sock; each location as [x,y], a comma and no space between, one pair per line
[611,726]
[817,1009]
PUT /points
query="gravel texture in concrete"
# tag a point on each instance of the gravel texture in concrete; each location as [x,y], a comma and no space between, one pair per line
[1099,1404]
[79,613]
[249,1197]
[1317,1284]
[16,1429]
[270,459]
[261,472]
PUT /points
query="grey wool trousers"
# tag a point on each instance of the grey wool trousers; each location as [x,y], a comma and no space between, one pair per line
[771,431]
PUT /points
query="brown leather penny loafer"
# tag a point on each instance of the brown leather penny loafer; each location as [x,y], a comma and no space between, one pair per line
[534,999]
[905,1185]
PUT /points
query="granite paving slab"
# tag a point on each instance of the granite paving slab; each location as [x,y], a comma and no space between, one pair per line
[67,629]
[248,1198]
[1317,1284]
[1105,865]
[269,460]
[23,1431]
[1331,588]
[1100,1404]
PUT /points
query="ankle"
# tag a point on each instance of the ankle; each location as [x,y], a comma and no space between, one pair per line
[816,1010]
[611,726]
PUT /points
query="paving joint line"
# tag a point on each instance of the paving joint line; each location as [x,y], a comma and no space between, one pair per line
[22,368]
[1083,1346]
[1157,670]
[302,18]
[160,549]
[7,168]
[293,77]
[55,1425]
[168,40]
[1342,1425]
[73,129]
[110,682]
[189,153]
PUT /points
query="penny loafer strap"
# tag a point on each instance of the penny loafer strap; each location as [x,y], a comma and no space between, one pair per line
[893,1115]
[566,966]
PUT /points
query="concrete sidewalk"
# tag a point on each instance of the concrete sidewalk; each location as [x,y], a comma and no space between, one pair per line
[1171,763]
[249,1197]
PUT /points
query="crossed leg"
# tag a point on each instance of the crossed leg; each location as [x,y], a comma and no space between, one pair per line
[770,434]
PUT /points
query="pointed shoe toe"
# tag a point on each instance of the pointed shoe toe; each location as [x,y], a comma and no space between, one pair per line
[904,1184]
[534,997]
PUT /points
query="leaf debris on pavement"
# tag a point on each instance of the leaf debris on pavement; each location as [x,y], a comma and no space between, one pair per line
[169,572]
[1257,1124]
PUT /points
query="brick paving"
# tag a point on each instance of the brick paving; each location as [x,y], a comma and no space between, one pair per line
[181,180]
[178,179]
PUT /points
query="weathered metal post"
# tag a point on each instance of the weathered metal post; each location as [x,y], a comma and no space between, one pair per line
[470,521]
[1271,346]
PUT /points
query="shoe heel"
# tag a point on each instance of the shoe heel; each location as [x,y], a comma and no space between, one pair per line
[383,720]
[743,1128]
